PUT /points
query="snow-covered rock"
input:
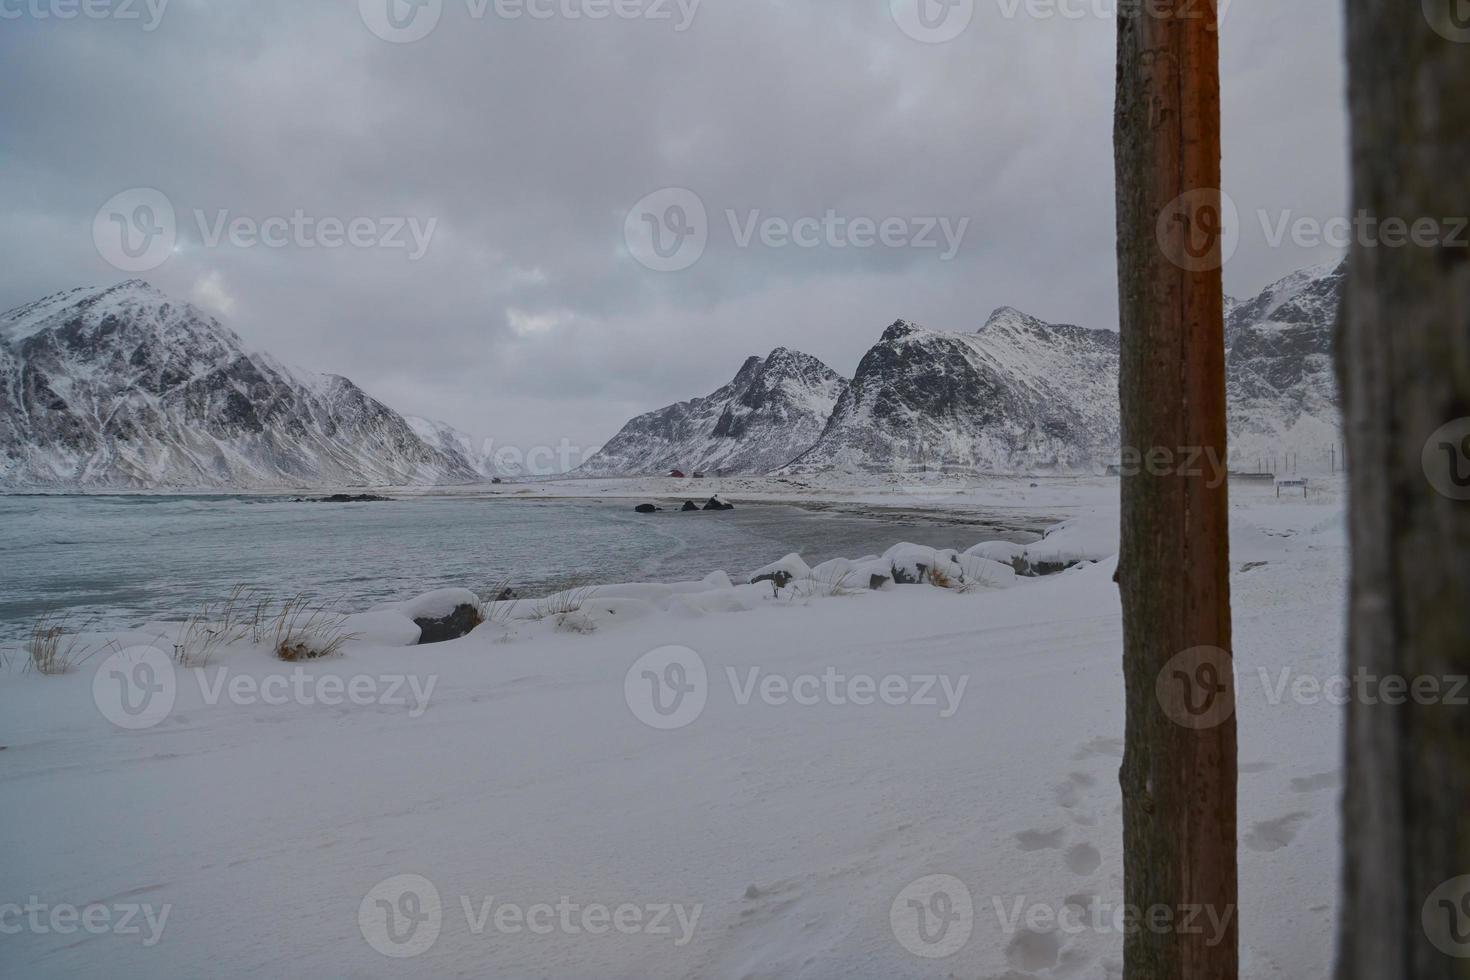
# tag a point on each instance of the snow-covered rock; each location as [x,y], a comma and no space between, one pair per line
[1086,539]
[436,604]
[782,571]
[383,628]
[1006,552]
[984,573]
[914,564]
[443,615]
[121,387]
[772,411]
[871,572]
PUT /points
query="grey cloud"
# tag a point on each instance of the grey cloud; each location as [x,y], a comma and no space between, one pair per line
[528,141]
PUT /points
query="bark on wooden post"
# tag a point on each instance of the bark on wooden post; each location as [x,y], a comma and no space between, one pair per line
[1404,367]
[1179,767]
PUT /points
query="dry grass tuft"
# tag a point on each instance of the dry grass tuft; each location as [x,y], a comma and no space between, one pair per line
[303,631]
[848,583]
[54,648]
[241,615]
[499,604]
[563,603]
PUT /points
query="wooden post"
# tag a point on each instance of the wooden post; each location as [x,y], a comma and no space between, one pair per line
[1404,369]
[1179,767]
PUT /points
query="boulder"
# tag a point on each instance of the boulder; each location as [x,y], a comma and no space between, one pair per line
[1005,552]
[870,572]
[442,615]
[1074,542]
[782,572]
[646,509]
[715,503]
[986,573]
[689,505]
[442,629]
[383,628]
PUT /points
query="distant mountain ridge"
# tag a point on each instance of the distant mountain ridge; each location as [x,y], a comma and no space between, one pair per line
[773,409]
[1022,395]
[122,388]
[1019,395]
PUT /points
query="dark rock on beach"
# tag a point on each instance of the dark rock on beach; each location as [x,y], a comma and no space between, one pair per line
[458,623]
[715,503]
[688,506]
[646,509]
[347,498]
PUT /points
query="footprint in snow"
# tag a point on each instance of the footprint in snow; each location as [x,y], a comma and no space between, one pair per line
[1071,796]
[1069,792]
[1082,859]
[1083,906]
[1041,840]
[1031,950]
[1273,835]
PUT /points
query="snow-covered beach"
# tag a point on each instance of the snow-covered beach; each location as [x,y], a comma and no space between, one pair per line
[704,780]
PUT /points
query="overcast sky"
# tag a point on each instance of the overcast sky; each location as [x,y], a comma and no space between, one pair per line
[527,141]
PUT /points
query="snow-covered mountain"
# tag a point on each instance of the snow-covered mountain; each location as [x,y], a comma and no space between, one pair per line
[121,387]
[1020,395]
[772,411]
[461,446]
[1279,373]
[124,388]
[1025,396]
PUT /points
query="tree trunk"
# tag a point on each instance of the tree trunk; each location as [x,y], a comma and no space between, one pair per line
[1179,767]
[1404,368]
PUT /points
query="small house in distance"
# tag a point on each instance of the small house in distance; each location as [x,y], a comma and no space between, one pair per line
[676,474]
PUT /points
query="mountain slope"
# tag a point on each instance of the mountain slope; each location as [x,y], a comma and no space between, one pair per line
[460,447]
[1020,395]
[773,410]
[1026,396]
[122,388]
[1280,380]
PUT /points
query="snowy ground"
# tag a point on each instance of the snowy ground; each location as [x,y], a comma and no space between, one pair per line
[554,823]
